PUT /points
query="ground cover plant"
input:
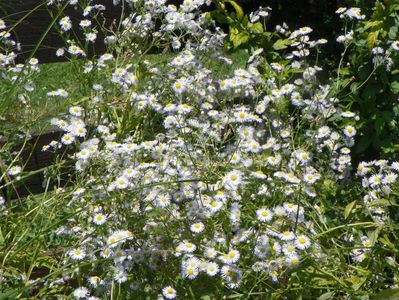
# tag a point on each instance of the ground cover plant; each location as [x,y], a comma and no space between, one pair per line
[220,168]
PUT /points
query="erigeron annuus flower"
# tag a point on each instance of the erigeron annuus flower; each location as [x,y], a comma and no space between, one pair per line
[212,268]
[289,249]
[180,85]
[395,45]
[187,247]
[231,257]
[375,180]
[118,237]
[246,132]
[75,50]
[99,219]
[67,139]
[121,182]
[15,170]
[290,208]
[292,261]
[76,111]
[197,227]
[190,272]
[242,116]
[65,23]
[390,178]
[85,23]
[259,174]
[302,156]
[81,292]
[163,200]
[210,252]
[264,215]
[311,178]
[77,254]
[287,235]
[233,179]
[302,242]
[349,131]
[94,281]
[2,24]
[169,292]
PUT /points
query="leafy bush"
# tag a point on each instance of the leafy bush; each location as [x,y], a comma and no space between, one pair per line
[370,78]
[193,183]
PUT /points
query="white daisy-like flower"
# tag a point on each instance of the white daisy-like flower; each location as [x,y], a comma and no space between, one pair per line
[289,249]
[99,219]
[77,254]
[292,261]
[67,139]
[163,200]
[231,257]
[375,180]
[390,178]
[190,272]
[302,242]
[15,170]
[169,293]
[264,215]
[233,179]
[323,132]
[395,45]
[187,247]
[311,178]
[121,182]
[76,111]
[261,251]
[81,292]
[210,252]
[246,132]
[85,23]
[290,208]
[287,236]
[94,281]
[197,227]
[349,131]
[212,268]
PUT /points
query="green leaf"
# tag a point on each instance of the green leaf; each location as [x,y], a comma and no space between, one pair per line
[239,39]
[379,125]
[326,296]
[357,282]
[394,7]
[395,87]
[238,9]
[372,38]
[257,27]
[221,18]
[391,294]
[281,44]
[371,24]
[385,240]
[348,209]
[374,236]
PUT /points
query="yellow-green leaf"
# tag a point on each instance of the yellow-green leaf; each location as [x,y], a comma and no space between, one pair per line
[257,27]
[237,8]
[372,38]
[281,44]
[371,24]
[348,209]
[239,39]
